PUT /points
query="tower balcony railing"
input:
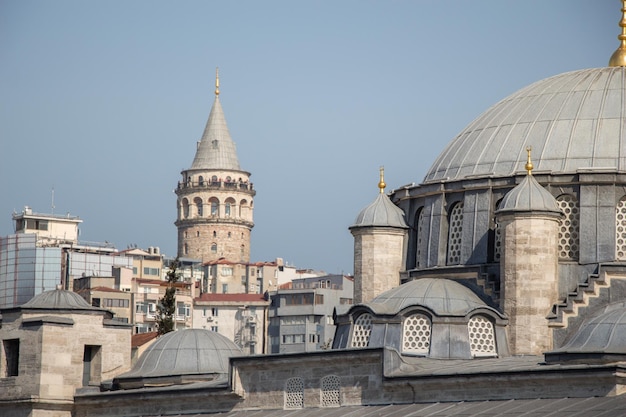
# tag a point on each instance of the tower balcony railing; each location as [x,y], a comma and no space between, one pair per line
[216,185]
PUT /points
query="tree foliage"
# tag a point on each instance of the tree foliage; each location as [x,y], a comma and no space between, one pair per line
[166,309]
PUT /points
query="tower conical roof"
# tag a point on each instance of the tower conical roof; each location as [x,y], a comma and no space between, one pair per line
[216,149]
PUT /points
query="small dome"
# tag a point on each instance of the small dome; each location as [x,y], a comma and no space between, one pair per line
[197,354]
[443,297]
[59,300]
[382,212]
[529,195]
[601,339]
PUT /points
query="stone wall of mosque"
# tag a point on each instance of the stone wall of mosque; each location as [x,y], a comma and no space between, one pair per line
[378,259]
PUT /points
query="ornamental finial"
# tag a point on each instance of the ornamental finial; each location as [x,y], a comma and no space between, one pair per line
[381,183]
[529,165]
[217,81]
[618,59]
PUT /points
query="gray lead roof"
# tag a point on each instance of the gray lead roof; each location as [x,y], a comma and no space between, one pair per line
[529,195]
[216,149]
[573,120]
[381,212]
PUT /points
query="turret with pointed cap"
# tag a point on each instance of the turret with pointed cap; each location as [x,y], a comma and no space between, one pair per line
[215,197]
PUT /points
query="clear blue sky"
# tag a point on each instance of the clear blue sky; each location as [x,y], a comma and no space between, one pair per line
[104,102]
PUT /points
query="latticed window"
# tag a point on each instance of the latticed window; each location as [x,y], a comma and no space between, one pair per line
[455,231]
[329,394]
[497,238]
[481,336]
[361,330]
[620,229]
[569,226]
[420,237]
[416,334]
[294,393]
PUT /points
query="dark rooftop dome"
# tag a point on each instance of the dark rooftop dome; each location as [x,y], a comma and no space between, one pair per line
[59,300]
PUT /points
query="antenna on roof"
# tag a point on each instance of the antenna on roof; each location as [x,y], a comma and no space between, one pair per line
[52,199]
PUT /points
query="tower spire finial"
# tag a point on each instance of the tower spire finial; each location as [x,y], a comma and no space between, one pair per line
[381,183]
[529,164]
[217,81]
[618,59]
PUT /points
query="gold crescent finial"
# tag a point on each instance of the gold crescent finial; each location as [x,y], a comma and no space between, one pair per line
[529,165]
[618,59]
[381,183]
[217,81]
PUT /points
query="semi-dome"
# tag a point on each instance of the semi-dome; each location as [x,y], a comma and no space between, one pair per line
[182,356]
[58,300]
[443,297]
[573,120]
[601,339]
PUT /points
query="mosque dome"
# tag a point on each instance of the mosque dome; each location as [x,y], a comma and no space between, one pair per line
[527,196]
[444,297]
[59,300]
[572,121]
[600,339]
[381,212]
[183,356]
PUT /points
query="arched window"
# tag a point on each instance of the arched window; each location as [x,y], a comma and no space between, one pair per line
[214,233]
[215,206]
[569,226]
[214,248]
[481,336]
[361,330]
[186,249]
[200,180]
[329,392]
[455,233]
[497,237]
[198,202]
[416,334]
[294,393]
[185,209]
[214,179]
[243,209]
[242,250]
[229,206]
[620,229]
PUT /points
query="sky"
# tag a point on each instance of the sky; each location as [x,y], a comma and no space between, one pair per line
[102,103]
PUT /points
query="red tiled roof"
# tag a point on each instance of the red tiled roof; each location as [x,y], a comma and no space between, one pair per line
[231,297]
[142,338]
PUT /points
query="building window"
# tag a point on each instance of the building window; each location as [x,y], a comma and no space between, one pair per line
[361,331]
[185,209]
[11,357]
[294,393]
[568,229]
[227,271]
[214,248]
[215,206]
[416,334]
[225,288]
[229,207]
[319,299]
[214,233]
[151,271]
[481,336]
[201,180]
[198,202]
[620,229]
[214,311]
[455,233]
[214,329]
[497,237]
[91,365]
[185,249]
[329,392]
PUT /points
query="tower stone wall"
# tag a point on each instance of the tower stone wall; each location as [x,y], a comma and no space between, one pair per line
[529,274]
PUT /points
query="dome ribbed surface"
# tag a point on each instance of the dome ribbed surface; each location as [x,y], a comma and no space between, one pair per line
[529,195]
[185,352]
[443,297]
[382,212]
[572,120]
[606,333]
[59,300]
[216,149]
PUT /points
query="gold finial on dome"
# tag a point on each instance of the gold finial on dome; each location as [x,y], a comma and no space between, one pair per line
[381,183]
[618,59]
[529,165]
[217,81]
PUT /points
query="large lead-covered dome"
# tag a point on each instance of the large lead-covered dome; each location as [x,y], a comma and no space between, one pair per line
[573,120]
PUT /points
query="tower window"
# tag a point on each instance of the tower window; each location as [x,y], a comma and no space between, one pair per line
[361,331]
[455,234]
[568,228]
[215,207]
[214,248]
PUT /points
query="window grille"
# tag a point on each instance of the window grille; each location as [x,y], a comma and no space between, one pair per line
[416,334]
[569,226]
[481,336]
[455,232]
[294,393]
[361,330]
[620,229]
[329,394]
